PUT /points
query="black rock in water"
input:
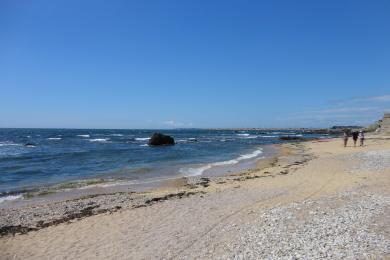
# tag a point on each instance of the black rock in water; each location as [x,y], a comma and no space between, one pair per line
[161,139]
[290,138]
[30,145]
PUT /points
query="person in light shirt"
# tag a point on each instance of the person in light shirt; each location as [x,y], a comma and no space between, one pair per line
[361,137]
[345,138]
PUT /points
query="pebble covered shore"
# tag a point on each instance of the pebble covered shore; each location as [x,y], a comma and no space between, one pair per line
[370,161]
[332,228]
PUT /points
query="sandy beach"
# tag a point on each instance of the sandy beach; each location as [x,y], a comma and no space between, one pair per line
[315,199]
[194,130]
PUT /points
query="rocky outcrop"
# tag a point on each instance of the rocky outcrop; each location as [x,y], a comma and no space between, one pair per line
[384,124]
[291,138]
[158,139]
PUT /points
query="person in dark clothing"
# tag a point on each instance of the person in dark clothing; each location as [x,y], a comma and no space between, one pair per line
[355,135]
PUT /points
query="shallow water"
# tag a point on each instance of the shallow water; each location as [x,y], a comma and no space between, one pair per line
[34,158]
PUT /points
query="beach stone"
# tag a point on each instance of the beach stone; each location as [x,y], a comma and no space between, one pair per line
[158,139]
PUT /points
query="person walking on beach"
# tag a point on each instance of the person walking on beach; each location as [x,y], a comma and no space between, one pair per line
[361,137]
[345,138]
[355,135]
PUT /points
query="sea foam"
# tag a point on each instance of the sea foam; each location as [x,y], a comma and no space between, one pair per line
[99,140]
[251,137]
[10,197]
[243,134]
[199,170]
[7,143]
[142,138]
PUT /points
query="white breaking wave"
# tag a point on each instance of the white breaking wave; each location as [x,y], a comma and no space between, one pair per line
[54,138]
[247,136]
[10,197]
[116,134]
[251,137]
[268,136]
[250,155]
[142,138]
[199,170]
[243,134]
[143,145]
[85,136]
[191,140]
[7,143]
[99,140]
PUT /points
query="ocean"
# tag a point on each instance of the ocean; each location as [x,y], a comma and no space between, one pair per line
[38,159]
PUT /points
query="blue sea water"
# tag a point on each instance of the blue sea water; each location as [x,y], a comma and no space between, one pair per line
[34,158]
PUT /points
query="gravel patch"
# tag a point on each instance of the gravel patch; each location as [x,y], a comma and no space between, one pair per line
[333,228]
[370,161]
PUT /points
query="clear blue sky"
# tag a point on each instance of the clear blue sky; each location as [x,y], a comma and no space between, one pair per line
[162,64]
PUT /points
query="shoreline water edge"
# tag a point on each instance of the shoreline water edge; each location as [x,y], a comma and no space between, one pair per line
[255,160]
[64,161]
[37,212]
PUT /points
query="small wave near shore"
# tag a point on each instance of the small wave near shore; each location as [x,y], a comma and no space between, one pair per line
[10,197]
[196,171]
